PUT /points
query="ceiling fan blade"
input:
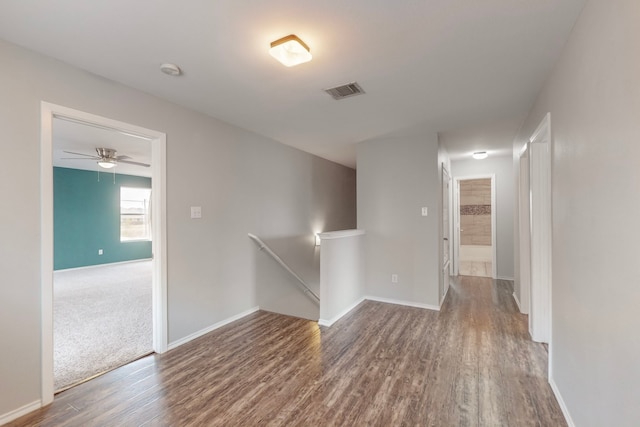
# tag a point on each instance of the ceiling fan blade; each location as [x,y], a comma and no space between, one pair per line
[81,154]
[79,158]
[122,157]
[134,163]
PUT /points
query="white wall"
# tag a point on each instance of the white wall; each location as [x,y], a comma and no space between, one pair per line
[244,183]
[594,99]
[342,276]
[395,178]
[502,167]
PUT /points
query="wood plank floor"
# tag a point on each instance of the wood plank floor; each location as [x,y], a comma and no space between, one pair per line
[472,364]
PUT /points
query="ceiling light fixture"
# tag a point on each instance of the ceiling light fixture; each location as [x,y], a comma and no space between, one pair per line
[170,69]
[107,163]
[479,155]
[290,51]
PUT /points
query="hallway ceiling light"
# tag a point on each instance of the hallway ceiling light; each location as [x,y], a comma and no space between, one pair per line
[290,51]
[479,155]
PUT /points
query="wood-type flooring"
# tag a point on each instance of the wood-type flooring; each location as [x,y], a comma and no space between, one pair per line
[471,364]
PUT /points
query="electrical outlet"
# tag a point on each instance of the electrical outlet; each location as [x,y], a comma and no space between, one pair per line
[394,278]
[100,251]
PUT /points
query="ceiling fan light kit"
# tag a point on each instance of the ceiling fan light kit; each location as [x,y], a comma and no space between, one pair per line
[106,158]
[107,163]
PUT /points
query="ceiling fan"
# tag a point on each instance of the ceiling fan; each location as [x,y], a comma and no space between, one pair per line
[106,158]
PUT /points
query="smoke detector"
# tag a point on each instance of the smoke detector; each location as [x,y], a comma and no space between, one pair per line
[170,69]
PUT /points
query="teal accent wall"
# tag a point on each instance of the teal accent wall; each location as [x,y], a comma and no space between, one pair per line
[86,217]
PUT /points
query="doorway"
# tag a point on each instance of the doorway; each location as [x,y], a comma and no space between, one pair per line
[475,225]
[49,112]
[102,284]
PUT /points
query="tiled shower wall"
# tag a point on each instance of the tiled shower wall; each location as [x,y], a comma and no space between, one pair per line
[475,212]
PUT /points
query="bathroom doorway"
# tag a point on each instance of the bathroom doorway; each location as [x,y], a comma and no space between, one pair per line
[475,220]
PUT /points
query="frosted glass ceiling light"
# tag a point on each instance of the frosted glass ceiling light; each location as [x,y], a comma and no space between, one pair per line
[107,163]
[479,155]
[290,51]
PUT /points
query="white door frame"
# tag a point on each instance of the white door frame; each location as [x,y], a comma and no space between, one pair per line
[158,187]
[524,231]
[540,231]
[447,265]
[456,213]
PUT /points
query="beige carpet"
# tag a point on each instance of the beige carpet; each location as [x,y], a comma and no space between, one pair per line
[102,319]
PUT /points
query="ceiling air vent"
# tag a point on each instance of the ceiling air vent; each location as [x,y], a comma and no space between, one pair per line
[345,91]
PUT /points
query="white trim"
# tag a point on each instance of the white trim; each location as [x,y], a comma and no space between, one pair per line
[445,292]
[89,267]
[515,297]
[446,232]
[159,242]
[46,253]
[327,323]
[456,215]
[405,303]
[211,328]
[540,208]
[158,185]
[340,234]
[563,405]
[524,234]
[17,413]
[334,319]
[505,278]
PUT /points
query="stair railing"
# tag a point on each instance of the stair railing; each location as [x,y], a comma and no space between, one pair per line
[303,286]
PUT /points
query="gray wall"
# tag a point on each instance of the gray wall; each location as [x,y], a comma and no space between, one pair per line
[395,179]
[502,167]
[244,183]
[594,99]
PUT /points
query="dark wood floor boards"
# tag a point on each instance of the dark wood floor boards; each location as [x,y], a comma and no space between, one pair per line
[471,364]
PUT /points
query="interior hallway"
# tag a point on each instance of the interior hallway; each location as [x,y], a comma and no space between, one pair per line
[471,364]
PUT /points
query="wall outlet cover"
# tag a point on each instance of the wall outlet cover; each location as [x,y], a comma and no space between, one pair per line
[196,212]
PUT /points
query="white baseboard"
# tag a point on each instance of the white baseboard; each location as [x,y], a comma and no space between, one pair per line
[324,322]
[406,303]
[563,406]
[87,267]
[505,278]
[444,296]
[213,327]
[17,413]
[515,297]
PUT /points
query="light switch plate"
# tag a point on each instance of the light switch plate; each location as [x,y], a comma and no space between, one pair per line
[425,211]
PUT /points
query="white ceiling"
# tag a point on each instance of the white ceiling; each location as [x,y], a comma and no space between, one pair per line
[84,139]
[441,65]
[496,138]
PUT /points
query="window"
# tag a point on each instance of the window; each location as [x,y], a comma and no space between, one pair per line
[135,214]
